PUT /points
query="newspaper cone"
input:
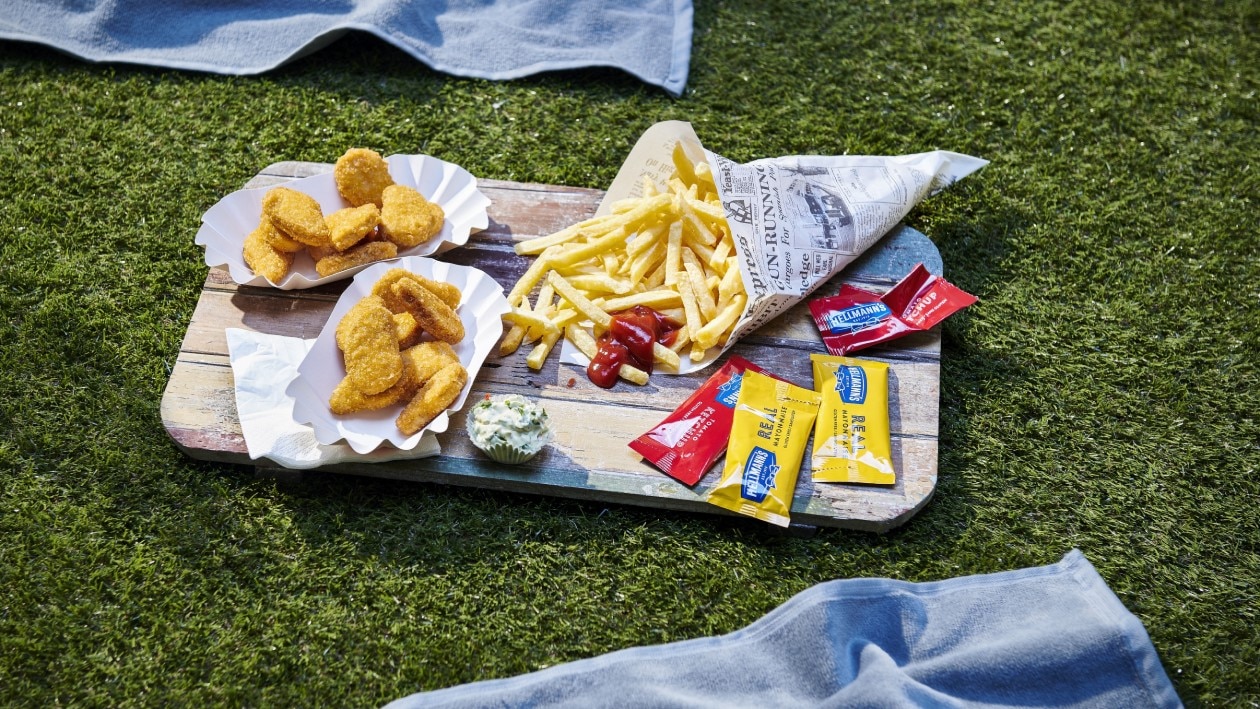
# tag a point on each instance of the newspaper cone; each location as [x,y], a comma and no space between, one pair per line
[797,220]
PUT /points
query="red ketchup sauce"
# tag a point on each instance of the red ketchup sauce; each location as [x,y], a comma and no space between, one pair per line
[629,340]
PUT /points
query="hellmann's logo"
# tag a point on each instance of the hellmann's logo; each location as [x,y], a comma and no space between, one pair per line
[759,474]
[857,317]
[851,384]
[728,391]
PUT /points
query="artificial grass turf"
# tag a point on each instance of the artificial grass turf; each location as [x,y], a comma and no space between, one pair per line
[1102,395]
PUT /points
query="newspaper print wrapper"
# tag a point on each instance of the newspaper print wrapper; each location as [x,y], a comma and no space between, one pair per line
[797,220]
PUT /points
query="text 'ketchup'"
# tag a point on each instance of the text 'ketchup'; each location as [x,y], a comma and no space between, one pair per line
[629,340]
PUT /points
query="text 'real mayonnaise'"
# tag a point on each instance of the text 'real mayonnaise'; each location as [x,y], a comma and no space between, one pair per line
[852,443]
[769,431]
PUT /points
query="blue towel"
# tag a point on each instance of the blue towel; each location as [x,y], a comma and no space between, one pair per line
[487,39]
[1053,636]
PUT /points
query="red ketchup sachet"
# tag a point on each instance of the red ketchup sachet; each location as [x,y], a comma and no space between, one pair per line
[689,440]
[855,318]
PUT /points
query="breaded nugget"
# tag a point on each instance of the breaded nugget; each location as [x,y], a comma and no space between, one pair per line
[361,176]
[439,392]
[369,344]
[347,399]
[427,359]
[297,215]
[362,254]
[409,331]
[434,316]
[347,227]
[420,363]
[446,291]
[264,258]
[407,218]
[278,241]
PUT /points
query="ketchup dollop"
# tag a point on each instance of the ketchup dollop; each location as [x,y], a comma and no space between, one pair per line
[629,340]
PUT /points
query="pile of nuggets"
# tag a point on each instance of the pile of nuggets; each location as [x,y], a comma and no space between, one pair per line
[382,218]
[389,358]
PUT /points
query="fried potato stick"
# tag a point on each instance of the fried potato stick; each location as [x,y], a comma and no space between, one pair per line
[713,331]
[602,319]
[530,319]
[584,342]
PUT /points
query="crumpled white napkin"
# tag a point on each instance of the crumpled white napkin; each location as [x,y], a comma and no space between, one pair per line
[263,366]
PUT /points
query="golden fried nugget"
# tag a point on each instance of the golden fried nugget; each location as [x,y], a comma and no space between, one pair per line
[361,175]
[427,359]
[409,331]
[407,218]
[369,344]
[420,363]
[439,392]
[265,259]
[297,215]
[449,293]
[349,226]
[362,254]
[435,317]
[319,253]
[278,240]
[347,399]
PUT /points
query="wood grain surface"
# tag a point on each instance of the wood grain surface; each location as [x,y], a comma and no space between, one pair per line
[589,458]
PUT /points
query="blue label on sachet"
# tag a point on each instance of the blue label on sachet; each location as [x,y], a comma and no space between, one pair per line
[851,384]
[858,317]
[728,391]
[759,474]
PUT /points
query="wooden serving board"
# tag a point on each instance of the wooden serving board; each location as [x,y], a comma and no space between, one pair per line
[589,458]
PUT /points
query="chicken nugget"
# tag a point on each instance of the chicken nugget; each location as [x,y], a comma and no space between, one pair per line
[407,218]
[265,259]
[409,331]
[361,175]
[347,399]
[448,292]
[427,359]
[359,255]
[434,397]
[278,240]
[349,226]
[297,215]
[420,363]
[319,253]
[434,316]
[369,343]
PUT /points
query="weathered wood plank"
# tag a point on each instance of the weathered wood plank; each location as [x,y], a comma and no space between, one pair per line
[589,458]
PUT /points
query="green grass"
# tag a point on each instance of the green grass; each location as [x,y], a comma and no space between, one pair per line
[1103,395]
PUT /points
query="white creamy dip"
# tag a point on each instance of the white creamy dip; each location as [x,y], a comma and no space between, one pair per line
[511,420]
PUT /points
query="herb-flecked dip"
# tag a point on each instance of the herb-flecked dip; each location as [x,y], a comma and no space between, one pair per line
[512,421]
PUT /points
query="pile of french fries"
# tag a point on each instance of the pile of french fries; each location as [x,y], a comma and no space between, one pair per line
[670,250]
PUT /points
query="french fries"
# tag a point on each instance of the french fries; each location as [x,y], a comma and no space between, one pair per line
[670,250]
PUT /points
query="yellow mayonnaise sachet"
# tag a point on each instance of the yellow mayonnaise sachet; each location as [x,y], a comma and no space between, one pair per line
[852,443]
[768,436]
